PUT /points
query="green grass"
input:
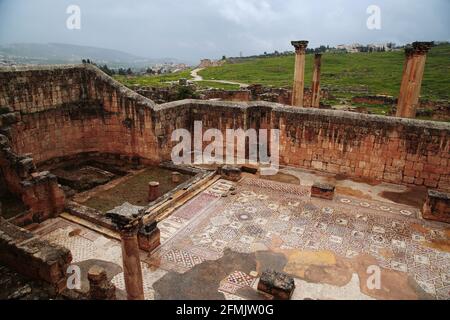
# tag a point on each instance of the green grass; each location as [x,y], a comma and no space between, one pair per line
[344,74]
[153,81]
[134,190]
[217,85]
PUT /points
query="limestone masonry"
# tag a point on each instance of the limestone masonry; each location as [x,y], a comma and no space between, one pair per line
[73,115]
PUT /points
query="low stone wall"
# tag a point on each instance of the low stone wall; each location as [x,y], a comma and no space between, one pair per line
[252,93]
[36,259]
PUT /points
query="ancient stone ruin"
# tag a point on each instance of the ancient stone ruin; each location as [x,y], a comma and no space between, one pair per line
[93,207]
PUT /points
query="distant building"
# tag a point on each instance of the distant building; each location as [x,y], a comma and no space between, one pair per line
[205,63]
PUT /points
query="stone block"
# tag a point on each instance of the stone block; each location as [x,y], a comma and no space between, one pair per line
[278,284]
[323,190]
[231,173]
[153,191]
[149,237]
[437,206]
[99,286]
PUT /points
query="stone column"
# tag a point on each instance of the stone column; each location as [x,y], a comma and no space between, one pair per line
[153,191]
[99,286]
[315,88]
[413,69]
[132,264]
[176,177]
[128,223]
[299,74]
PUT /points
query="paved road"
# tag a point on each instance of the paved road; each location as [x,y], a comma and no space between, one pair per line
[197,77]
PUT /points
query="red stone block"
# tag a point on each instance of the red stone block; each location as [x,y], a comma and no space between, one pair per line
[322,190]
[437,206]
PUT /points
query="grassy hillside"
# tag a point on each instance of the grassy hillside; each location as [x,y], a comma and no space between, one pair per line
[344,74]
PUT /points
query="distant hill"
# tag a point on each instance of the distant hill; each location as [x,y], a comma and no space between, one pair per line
[57,53]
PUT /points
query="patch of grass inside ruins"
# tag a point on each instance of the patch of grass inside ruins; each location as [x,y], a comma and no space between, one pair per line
[134,190]
[217,85]
[356,73]
[163,80]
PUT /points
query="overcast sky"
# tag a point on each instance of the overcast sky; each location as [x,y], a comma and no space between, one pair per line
[194,29]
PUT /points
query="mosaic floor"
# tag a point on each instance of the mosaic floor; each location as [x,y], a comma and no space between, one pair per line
[266,215]
[326,245]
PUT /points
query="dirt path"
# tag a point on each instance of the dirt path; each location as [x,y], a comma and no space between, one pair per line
[196,77]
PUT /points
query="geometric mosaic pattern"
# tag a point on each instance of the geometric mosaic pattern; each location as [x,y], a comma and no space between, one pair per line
[236,281]
[263,211]
[264,215]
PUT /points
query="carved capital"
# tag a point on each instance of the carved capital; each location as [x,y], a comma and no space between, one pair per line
[300,46]
[422,47]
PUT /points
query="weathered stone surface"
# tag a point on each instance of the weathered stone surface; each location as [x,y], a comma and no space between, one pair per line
[176,177]
[39,260]
[99,286]
[299,73]
[413,71]
[437,206]
[323,190]
[124,215]
[231,173]
[153,191]
[89,214]
[277,284]
[149,237]
[89,116]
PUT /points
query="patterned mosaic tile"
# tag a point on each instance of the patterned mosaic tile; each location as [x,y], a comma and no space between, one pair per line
[265,214]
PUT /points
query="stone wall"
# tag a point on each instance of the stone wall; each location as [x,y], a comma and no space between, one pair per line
[396,150]
[39,191]
[76,109]
[34,258]
[252,93]
[107,117]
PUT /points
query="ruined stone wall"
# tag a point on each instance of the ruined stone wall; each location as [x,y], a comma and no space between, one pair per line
[39,191]
[388,149]
[76,109]
[34,258]
[252,93]
[108,117]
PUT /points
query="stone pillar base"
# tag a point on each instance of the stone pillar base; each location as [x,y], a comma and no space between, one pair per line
[231,173]
[149,238]
[99,286]
[437,206]
[323,190]
[279,285]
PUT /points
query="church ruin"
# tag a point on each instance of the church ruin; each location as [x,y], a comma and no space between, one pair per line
[88,190]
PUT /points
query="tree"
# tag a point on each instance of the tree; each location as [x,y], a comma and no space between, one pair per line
[106,70]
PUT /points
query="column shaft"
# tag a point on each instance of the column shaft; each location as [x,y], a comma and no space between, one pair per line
[413,70]
[132,266]
[315,90]
[299,73]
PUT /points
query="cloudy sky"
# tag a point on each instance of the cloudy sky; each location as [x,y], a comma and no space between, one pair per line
[194,29]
